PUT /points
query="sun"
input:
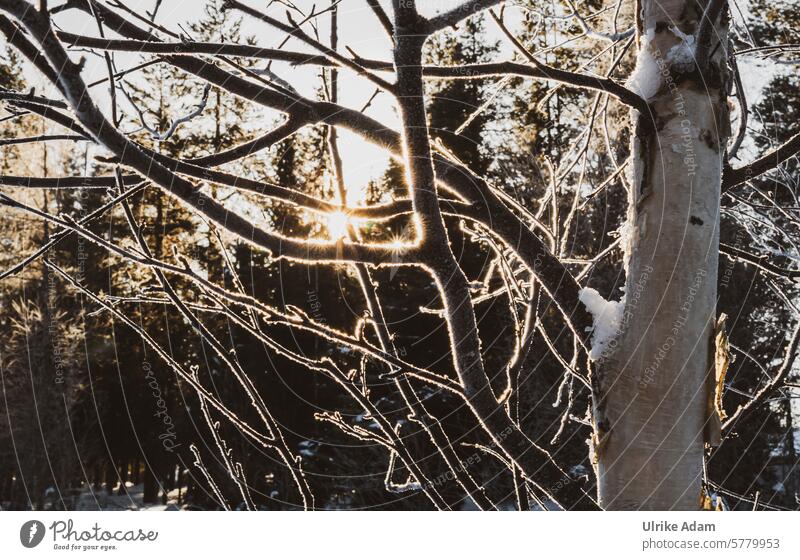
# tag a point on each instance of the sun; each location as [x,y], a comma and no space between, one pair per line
[337,223]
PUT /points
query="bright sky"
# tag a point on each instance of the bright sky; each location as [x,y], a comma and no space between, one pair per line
[359,30]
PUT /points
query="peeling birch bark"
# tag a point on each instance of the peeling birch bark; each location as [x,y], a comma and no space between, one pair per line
[652,383]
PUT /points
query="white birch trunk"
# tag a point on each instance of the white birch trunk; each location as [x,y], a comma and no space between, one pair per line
[653,380]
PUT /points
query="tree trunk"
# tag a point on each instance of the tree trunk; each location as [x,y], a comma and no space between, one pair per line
[150,494]
[655,379]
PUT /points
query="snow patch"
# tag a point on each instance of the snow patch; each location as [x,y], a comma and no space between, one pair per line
[627,233]
[647,77]
[645,80]
[607,317]
[681,57]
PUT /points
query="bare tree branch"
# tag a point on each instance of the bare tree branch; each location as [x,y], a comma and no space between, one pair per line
[453,16]
[766,163]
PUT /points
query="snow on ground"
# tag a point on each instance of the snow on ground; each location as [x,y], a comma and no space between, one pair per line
[132,498]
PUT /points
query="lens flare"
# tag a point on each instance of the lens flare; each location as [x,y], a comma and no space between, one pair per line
[337,225]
